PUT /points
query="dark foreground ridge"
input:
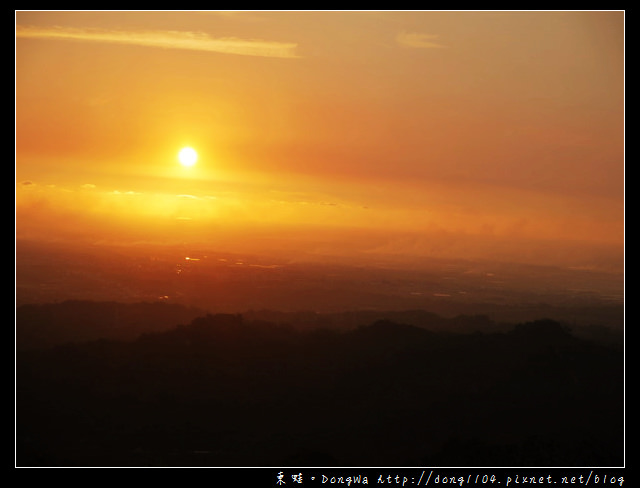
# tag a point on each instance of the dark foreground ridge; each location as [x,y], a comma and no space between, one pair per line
[228,391]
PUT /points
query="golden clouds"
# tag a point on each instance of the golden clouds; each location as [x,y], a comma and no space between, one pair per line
[167,39]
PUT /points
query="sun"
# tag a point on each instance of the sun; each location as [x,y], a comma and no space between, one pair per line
[187,156]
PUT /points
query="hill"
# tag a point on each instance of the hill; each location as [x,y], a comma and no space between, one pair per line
[51,324]
[227,391]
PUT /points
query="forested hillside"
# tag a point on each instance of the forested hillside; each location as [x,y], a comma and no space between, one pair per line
[226,391]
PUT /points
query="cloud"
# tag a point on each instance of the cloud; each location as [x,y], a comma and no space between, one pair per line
[195,41]
[417,40]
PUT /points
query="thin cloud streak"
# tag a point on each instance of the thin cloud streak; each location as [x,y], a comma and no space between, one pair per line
[417,40]
[194,41]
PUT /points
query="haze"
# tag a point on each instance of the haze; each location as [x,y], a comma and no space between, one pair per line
[468,134]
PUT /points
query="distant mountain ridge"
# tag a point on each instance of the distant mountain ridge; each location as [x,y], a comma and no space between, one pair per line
[224,391]
[48,325]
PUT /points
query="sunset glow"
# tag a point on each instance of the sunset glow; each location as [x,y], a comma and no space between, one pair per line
[458,132]
[321,239]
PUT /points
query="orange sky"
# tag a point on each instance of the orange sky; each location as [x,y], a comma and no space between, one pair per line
[471,132]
